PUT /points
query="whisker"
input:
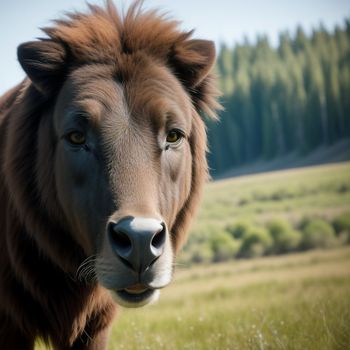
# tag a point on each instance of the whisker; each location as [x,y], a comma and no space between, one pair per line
[86,270]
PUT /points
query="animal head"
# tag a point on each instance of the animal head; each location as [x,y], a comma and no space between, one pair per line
[120,144]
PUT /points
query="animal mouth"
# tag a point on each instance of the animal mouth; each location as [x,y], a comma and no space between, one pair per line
[136,295]
[136,289]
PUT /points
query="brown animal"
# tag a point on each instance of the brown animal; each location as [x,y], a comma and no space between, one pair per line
[102,163]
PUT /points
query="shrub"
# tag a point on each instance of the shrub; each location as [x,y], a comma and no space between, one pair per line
[199,234]
[201,253]
[285,238]
[341,225]
[256,242]
[243,201]
[280,194]
[238,230]
[304,222]
[223,246]
[196,252]
[317,233]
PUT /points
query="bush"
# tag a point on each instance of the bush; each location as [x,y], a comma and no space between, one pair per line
[341,225]
[317,233]
[201,254]
[196,250]
[239,229]
[280,195]
[285,238]
[256,242]
[304,222]
[223,246]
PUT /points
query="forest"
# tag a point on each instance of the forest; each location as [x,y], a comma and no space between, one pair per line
[293,97]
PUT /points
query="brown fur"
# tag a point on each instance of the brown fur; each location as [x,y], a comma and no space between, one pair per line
[40,251]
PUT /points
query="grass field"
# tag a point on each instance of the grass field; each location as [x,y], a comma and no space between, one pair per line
[319,190]
[299,301]
[291,196]
[296,301]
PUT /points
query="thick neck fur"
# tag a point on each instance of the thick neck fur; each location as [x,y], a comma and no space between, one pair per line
[36,287]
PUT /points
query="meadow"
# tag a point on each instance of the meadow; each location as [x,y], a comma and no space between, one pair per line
[298,301]
[294,301]
[298,201]
[322,190]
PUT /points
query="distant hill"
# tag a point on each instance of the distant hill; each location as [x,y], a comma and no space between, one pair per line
[339,152]
[275,212]
[283,105]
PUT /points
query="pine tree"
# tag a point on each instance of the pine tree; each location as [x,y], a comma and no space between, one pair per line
[292,98]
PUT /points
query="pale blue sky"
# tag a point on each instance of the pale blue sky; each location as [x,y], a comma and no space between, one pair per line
[220,20]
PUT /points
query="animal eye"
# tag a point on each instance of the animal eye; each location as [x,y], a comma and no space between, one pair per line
[174,136]
[76,138]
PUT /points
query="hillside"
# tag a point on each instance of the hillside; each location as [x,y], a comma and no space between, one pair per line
[292,199]
[294,301]
[336,153]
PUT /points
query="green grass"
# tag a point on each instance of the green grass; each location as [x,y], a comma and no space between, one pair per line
[319,190]
[296,301]
[299,301]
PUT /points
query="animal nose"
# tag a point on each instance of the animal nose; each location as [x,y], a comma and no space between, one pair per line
[138,242]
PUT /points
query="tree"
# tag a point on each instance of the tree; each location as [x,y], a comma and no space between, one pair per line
[292,98]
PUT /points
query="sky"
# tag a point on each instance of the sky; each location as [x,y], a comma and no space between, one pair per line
[226,21]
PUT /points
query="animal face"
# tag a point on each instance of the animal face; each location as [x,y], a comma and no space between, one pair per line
[123,167]
[121,145]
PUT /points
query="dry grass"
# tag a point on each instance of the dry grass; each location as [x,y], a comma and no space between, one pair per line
[299,301]
[319,190]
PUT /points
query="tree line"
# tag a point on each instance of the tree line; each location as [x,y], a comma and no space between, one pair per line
[290,98]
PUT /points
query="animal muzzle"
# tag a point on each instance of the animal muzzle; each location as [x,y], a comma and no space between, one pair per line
[138,242]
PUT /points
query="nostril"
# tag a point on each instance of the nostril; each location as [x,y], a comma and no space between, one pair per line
[137,242]
[120,241]
[158,239]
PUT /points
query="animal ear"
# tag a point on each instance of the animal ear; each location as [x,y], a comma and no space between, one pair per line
[43,61]
[193,60]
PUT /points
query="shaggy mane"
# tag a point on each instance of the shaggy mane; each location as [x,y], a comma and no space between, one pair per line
[104,36]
